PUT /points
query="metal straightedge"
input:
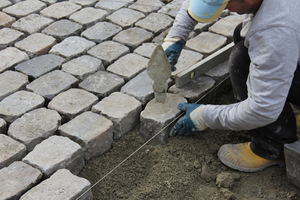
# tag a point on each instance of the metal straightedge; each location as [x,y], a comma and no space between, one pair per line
[187,75]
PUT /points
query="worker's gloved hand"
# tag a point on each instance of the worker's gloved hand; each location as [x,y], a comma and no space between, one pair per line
[173,47]
[185,124]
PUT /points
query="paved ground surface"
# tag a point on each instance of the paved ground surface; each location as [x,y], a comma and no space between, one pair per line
[73,80]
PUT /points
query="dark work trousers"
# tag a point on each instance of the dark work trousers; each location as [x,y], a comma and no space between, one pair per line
[267,141]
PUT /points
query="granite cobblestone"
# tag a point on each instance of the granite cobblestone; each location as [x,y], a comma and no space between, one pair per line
[60,58]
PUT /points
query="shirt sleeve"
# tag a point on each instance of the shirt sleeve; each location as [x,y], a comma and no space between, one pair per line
[274,53]
[183,24]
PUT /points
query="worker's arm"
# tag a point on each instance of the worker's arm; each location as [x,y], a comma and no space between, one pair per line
[178,34]
[274,53]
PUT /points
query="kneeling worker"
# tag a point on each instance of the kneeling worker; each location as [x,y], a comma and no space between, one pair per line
[265,76]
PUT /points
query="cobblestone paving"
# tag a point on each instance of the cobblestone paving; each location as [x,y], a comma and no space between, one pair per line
[73,80]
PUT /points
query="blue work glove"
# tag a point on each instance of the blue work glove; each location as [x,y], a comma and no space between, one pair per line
[173,48]
[184,124]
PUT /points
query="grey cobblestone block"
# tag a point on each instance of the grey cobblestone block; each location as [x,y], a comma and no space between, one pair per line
[219,72]
[54,153]
[10,57]
[92,131]
[128,66]
[10,150]
[122,110]
[108,51]
[10,82]
[36,44]
[18,104]
[125,17]
[52,83]
[72,102]
[187,59]
[6,20]
[3,126]
[101,31]
[226,25]
[156,116]
[89,15]
[140,87]
[155,22]
[32,23]
[201,27]
[195,89]
[60,10]
[102,83]
[133,37]
[146,49]
[206,42]
[16,179]
[147,6]
[62,29]
[8,36]
[112,5]
[34,126]
[83,66]
[71,187]
[72,47]
[24,8]
[84,2]
[40,65]
[292,160]
[171,8]
[4,3]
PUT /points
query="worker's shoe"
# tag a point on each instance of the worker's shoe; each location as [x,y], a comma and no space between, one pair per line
[241,157]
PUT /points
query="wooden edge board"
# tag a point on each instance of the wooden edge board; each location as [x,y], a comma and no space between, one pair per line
[203,66]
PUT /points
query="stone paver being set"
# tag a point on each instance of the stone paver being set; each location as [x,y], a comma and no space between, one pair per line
[66,65]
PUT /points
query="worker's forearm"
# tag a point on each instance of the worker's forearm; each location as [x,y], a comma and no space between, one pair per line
[183,24]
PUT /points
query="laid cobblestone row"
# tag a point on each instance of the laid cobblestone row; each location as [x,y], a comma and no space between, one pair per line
[66,65]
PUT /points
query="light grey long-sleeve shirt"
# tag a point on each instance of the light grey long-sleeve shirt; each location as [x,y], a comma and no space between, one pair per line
[273,42]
